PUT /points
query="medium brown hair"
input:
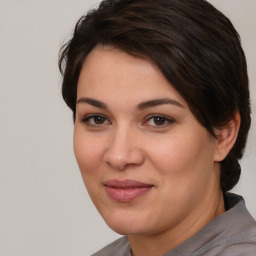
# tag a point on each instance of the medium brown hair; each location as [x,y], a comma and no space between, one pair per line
[194,45]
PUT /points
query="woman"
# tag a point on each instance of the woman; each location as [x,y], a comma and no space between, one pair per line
[159,93]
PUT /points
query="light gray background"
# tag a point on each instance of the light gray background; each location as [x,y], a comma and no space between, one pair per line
[44,207]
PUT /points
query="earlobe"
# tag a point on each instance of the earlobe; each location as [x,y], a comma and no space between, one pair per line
[227,136]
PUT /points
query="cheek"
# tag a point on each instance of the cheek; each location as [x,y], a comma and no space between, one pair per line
[184,164]
[170,156]
[182,155]
[88,152]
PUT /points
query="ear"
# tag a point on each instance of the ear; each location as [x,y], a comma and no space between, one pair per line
[226,137]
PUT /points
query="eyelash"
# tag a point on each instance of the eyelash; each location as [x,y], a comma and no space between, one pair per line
[86,120]
[167,120]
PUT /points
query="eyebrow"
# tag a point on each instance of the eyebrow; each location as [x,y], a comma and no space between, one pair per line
[157,102]
[141,106]
[93,102]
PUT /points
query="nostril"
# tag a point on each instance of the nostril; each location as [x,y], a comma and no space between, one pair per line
[123,151]
[123,159]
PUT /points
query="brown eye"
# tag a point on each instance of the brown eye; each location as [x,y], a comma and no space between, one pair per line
[99,119]
[95,120]
[159,120]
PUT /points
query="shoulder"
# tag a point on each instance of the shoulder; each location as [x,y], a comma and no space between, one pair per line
[231,234]
[120,247]
[242,249]
[235,231]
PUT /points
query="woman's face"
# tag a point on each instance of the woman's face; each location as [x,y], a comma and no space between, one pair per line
[147,163]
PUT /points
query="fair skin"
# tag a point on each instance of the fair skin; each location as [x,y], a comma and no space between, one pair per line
[151,169]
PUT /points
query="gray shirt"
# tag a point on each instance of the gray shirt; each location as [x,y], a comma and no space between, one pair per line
[231,234]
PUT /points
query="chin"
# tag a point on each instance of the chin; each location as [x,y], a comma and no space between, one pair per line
[126,225]
[126,230]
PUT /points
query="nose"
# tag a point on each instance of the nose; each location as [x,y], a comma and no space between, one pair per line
[124,150]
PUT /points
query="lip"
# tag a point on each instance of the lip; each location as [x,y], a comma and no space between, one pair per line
[126,190]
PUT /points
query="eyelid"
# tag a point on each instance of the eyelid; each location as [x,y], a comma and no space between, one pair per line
[85,119]
[170,120]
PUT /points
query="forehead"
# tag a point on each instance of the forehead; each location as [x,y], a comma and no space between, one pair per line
[110,72]
[114,63]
